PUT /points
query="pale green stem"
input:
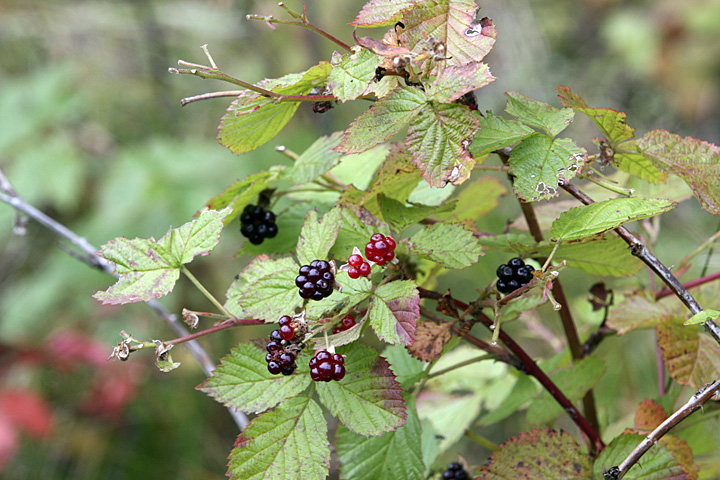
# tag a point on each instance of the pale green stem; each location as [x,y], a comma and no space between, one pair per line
[493,447]
[547,262]
[607,184]
[460,365]
[702,247]
[204,291]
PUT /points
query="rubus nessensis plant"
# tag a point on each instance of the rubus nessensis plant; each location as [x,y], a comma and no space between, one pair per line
[363,334]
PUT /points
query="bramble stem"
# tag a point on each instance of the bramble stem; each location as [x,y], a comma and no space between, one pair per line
[460,365]
[480,440]
[205,292]
[233,322]
[694,283]
[215,74]
[207,96]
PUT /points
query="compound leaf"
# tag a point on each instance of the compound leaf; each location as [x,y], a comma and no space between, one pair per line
[242,381]
[368,400]
[394,310]
[288,442]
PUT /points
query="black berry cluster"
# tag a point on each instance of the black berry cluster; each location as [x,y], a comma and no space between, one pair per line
[455,471]
[285,343]
[257,224]
[315,280]
[380,249]
[345,324]
[513,275]
[326,366]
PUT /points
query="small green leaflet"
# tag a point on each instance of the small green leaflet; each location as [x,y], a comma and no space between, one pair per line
[448,244]
[394,310]
[148,269]
[697,162]
[368,400]
[407,369]
[243,192]
[317,237]
[455,81]
[539,114]
[496,133]
[599,217]
[628,158]
[394,455]
[539,455]
[352,73]
[658,463]
[610,122]
[242,381]
[540,163]
[252,120]
[288,442]
[315,161]
[467,39]
[438,140]
[702,317]
[377,13]
[399,216]
[383,120]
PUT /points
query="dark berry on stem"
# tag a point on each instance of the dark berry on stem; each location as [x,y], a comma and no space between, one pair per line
[273,347]
[345,324]
[257,224]
[364,269]
[274,368]
[353,272]
[455,471]
[315,280]
[287,332]
[516,262]
[380,249]
[326,366]
[275,336]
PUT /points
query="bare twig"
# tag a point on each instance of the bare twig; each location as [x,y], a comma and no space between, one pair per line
[88,255]
[695,403]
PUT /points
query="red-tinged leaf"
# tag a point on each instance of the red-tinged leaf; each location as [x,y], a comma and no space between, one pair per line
[383,120]
[455,81]
[430,338]
[438,140]
[368,400]
[697,162]
[394,310]
[382,47]
[454,22]
[629,159]
[289,442]
[539,455]
[27,411]
[691,357]
[638,310]
[649,415]
[378,13]
[659,463]
[610,122]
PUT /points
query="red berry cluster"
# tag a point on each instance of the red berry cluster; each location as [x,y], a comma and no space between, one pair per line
[380,249]
[315,280]
[345,324]
[358,266]
[326,366]
[284,344]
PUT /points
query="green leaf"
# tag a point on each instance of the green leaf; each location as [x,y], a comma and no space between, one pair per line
[242,381]
[352,73]
[289,442]
[395,454]
[148,269]
[377,13]
[368,400]
[243,192]
[540,163]
[448,244]
[317,237]
[628,158]
[354,291]
[702,317]
[407,370]
[438,140]
[399,216]
[610,122]
[606,255]
[315,161]
[384,119]
[638,310]
[496,133]
[574,382]
[690,356]
[455,81]
[442,410]
[539,455]
[452,22]
[354,232]
[394,310]
[252,120]
[539,114]
[524,391]
[697,162]
[658,463]
[599,217]
[267,291]
[476,199]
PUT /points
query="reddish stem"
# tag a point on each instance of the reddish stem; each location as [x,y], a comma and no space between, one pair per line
[234,322]
[697,282]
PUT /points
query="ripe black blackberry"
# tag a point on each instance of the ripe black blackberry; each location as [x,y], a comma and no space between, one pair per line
[316,280]
[257,224]
[326,366]
[513,275]
[455,471]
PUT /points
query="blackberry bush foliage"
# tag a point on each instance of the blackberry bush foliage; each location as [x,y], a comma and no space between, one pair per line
[409,211]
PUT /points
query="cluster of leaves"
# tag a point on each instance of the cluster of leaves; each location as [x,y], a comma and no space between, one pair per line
[359,185]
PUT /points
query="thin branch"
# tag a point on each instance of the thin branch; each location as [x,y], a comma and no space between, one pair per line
[207,96]
[694,283]
[91,258]
[233,322]
[206,72]
[695,403]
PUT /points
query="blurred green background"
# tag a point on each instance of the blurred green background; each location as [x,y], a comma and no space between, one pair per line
[92,133]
